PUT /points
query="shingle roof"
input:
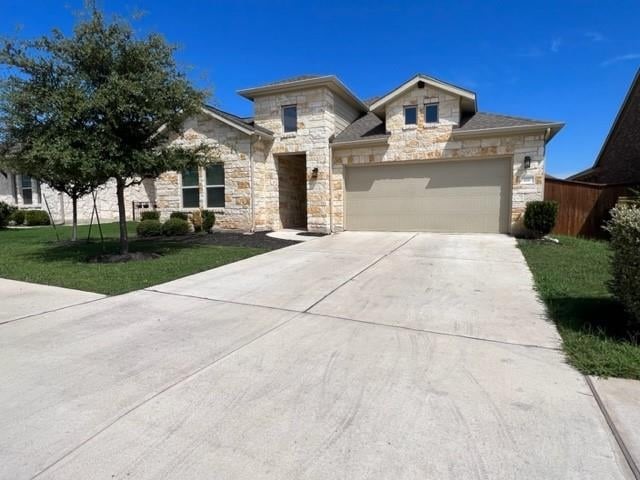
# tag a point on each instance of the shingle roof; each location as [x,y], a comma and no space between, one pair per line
[484,120]
[245,122]
[367,127]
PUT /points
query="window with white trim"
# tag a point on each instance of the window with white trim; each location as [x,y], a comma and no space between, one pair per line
[410,114]
[431,113]
[290,118]
[215,185]
[190,188]
[30,190]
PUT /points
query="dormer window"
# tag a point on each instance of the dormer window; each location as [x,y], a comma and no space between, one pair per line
[411,115]
[290,118]
[431,114]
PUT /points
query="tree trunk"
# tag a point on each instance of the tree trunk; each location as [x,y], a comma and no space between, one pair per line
[122,216]
[74,220]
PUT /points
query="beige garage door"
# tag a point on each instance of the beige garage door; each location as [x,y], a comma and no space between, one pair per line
[456,196]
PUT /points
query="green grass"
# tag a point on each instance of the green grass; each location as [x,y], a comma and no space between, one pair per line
[34,255]
[572,280]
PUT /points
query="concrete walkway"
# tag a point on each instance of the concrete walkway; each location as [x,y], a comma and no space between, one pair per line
[22,299]
[360,355]
[620,399]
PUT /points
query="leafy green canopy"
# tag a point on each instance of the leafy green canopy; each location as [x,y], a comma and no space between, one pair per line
[78,110]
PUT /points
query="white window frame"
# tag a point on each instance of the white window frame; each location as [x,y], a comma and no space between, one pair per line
[36,194]
[207,186]
[182,188]
[404,113]
[284,127]
[428,104]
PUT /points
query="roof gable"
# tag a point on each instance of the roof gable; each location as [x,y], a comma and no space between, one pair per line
[467,96]
[332,82]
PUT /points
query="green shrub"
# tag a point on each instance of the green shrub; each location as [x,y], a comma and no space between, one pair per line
[149,228]
[540,216]
[36,217]
[150,215]
[6,213]
[175,226]
[180,215]
[208,220]
[17,216]
[624,228]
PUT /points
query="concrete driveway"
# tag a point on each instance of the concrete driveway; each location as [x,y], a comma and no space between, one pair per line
[361,355]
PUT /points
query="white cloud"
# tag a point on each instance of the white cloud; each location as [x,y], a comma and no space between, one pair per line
[555,45]
[620,58]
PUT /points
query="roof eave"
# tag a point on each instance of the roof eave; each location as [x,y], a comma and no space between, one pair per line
[553,127]
[361,141]
[252,93]
[429,81]
[246,129]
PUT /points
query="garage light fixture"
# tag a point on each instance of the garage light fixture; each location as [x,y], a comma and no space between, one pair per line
[527,162]
[314,173]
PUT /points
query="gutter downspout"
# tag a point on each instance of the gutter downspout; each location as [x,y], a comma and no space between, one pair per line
[330,190]
[251,185]
[547,134]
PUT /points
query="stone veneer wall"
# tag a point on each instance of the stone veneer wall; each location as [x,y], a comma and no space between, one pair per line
[316,124]
[61,205]
[426,142]
[229,146]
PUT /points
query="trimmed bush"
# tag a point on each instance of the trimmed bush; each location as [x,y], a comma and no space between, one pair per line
[149,228]
[36,217]
[624,228]
[180,215]
[208,220]
[17,216]
[196,220]
[540,216]
[175,226]
[6,213]
[150,215]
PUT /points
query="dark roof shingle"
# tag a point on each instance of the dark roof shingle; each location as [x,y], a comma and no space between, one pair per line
[240,121]
[484,120]
[366,127]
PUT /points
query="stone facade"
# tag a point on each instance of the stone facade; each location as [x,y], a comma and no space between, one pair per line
[60,205]
[228,146]
[437,142]
[318,121]
[266,168]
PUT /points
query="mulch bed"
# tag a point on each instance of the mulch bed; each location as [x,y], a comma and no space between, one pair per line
[239,239]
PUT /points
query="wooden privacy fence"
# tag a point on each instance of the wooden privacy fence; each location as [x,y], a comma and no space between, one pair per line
[584,207]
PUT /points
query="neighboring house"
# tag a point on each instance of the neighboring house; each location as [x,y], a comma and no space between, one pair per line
[314,156]
[619,159]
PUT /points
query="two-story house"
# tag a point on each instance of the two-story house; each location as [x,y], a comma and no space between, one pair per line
[315,156]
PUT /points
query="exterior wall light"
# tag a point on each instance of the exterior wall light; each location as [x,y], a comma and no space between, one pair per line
[527,162]
[314,173]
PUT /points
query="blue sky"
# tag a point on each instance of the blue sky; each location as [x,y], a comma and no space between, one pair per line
[570,61]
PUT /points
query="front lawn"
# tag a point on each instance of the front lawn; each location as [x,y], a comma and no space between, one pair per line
[572,280]
[34,255]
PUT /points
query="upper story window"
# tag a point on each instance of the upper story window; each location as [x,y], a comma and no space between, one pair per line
[410,114]
[215,185]
[431,114]
[290,118]
[190,188]
[30,190]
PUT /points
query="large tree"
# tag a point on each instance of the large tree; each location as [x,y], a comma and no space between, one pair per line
[103,100]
